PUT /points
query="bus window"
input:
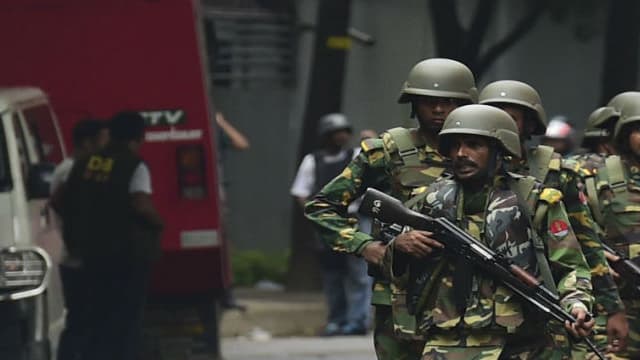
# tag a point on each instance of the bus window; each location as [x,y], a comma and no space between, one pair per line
[44,132]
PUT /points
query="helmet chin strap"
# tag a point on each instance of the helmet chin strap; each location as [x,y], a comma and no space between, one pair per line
[494,166]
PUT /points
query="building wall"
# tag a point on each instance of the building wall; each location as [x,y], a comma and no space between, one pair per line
[566,72]
[258,180]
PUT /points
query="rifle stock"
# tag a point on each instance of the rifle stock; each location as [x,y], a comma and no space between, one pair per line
[458,242]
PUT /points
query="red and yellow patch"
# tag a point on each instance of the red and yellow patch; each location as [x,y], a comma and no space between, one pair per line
[559,228]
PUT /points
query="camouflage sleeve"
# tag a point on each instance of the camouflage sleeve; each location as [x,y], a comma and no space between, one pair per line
[604,288]
[328,209]
[566,259]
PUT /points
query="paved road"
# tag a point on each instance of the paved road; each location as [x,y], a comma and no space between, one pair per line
[310,348]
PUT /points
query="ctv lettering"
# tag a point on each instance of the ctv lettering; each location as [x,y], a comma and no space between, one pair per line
[174,117]
[164,117]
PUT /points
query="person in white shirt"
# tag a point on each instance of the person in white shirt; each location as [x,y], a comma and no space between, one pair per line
[346,283]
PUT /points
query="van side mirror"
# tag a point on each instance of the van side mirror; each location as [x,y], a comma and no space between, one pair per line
[39,180]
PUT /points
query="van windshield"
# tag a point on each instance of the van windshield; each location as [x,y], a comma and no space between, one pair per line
[5,173]
[45,135]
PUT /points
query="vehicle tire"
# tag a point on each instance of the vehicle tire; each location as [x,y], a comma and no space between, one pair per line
[21,320]
[210,314]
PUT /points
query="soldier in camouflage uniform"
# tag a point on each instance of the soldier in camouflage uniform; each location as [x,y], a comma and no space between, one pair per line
[618,184]
[396,163]
[598,136]
[598,145]
[598,141]
[468,315]
[523,103]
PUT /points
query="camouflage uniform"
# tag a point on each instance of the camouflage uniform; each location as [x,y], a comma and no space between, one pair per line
[621,210]
[565,175]
[494,320]
[467,315]
[381,166]
[588,164]
[396,163]
[550,169]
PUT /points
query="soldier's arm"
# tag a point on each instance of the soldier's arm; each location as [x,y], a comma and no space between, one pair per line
[569,267]
[585,229]
[328,209]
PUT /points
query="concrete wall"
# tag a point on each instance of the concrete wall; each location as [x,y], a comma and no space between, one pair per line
[375,74]
[258,180]
[566,72]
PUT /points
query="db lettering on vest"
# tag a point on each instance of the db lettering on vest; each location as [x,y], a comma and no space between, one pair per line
[559,228]
[99,168]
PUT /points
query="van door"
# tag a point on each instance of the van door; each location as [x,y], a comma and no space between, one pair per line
[44,148]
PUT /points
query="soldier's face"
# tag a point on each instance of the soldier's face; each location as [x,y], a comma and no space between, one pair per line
[432,111]
[470,155]
[634,142]
[518,114]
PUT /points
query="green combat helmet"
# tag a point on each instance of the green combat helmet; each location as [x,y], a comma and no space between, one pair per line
[518,93]
[620,100]
[482,120]
[598,122]
[441,78]
[630,113]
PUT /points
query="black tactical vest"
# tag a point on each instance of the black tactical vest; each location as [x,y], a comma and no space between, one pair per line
[99,221]
[325,171]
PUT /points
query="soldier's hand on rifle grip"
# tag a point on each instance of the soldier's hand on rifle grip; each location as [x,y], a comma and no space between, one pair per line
[416,243]
[581,328]
[374,252]
[617,331]
[611,257]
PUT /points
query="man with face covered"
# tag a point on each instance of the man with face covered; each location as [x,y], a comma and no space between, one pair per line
[464,313]
[346,284]
[396,163]
[618,183]
[524,105]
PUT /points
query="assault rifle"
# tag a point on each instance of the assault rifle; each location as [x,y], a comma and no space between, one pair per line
[626,267]
[458,243]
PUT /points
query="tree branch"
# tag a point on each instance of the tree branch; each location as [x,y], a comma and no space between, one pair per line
[477,31]
[448,32]
[521,28]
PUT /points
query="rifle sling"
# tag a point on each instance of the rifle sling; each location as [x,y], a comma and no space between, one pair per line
[534,224]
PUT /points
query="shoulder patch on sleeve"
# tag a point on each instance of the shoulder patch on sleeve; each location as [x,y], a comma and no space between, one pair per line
[551,196]
[371,144]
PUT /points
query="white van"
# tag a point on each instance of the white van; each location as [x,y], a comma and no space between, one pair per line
[31,306]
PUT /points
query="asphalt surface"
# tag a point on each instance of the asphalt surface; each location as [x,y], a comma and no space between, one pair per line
[300,348]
